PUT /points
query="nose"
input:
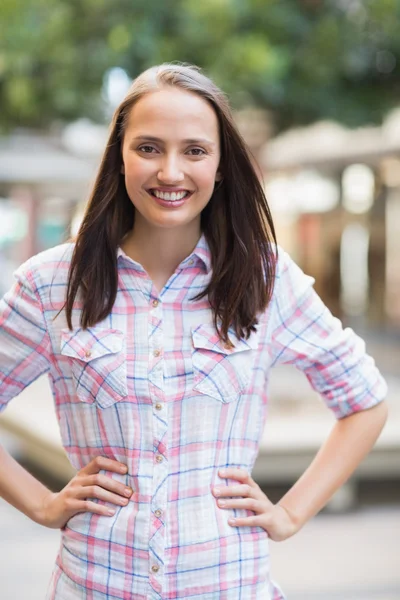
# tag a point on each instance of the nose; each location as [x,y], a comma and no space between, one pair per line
[170,170]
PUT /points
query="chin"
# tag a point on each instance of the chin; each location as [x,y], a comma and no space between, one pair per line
[170,224]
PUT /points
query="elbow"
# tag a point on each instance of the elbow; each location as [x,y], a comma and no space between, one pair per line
[383,411]
[373,418]
[380,414]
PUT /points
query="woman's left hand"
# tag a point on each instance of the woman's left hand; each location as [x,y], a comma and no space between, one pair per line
[248,495]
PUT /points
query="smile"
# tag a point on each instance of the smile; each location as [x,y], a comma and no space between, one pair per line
[170,196]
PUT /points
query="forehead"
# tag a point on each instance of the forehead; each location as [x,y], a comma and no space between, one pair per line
[173,112]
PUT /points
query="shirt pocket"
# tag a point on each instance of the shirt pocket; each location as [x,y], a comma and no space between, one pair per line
[98,364]
[220,371]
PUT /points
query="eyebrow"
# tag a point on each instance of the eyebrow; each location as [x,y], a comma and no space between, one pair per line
[151,138]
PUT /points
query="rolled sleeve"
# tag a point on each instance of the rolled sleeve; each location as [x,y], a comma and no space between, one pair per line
[24,341]
[307,335]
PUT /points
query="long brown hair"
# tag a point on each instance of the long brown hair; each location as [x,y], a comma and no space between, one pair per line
[236,222]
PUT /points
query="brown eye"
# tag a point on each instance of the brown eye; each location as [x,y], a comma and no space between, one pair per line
[197,151]
[146,149]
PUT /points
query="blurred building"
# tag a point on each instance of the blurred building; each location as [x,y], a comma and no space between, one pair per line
[335,196]
[41,184]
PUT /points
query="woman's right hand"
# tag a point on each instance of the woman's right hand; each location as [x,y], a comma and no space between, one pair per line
[57,508]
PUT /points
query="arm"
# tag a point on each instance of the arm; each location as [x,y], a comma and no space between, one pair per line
[25,354]
[28,495]
[19,488]
[305,334]
[349,442]
[337,365]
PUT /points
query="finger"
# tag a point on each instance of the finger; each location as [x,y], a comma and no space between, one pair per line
[100,463]
[94,491]
[247,503]
[233,490]
[234,473]
[240,475]
[108,483]
[93,507]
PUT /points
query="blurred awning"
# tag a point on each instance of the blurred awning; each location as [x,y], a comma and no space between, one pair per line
[37,159]
[332,145]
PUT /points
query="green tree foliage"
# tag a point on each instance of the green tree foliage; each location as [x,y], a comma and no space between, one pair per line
[301,59]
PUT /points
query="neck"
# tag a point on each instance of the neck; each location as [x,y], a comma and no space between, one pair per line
[160,250]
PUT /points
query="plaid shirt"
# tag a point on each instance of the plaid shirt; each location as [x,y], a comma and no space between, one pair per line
[152,386]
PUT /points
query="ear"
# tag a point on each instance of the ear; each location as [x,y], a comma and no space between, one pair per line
[218,176]
[123,168]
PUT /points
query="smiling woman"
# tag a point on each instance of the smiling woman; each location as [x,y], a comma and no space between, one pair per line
[174,132]
[171,156]
[158,326]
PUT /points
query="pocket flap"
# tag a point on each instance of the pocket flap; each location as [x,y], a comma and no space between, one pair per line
[206,336]
[88,344]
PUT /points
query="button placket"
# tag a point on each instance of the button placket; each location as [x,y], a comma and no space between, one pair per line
[160,456]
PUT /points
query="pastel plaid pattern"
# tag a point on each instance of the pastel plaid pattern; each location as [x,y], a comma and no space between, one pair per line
[153,387]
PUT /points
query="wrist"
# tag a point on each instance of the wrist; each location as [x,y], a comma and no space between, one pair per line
[293,516]
[41,511]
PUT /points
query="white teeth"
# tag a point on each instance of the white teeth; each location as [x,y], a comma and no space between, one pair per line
[171,197]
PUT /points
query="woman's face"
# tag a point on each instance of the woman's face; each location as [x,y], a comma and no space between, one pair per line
[170,154]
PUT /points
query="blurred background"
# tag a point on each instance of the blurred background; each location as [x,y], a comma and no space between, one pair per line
[315,88]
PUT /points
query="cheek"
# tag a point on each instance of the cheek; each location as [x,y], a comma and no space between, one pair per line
[205,177]
[135,170]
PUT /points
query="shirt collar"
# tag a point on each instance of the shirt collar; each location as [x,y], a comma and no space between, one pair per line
[123,256]
[200,254]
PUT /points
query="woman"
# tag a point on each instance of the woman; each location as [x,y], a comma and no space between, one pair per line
[158,327]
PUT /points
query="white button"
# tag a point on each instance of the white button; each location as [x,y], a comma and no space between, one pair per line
[158,406]
[158,512]
[155,303]
[159,458]
[191,262]
[155,568]
[156,353]
[88,354]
